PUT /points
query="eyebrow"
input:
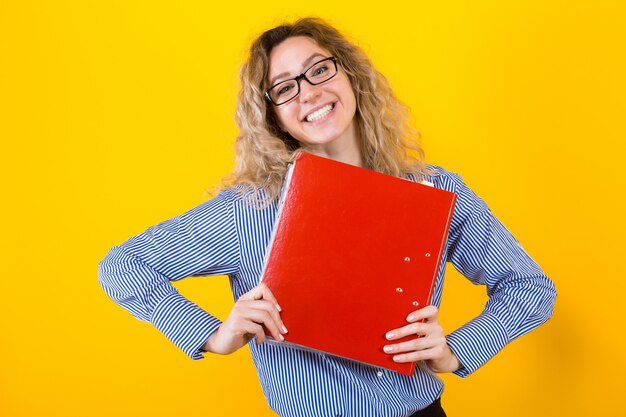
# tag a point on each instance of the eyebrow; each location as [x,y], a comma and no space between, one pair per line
[304,65]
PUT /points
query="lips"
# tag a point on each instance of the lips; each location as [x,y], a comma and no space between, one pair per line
[320,113]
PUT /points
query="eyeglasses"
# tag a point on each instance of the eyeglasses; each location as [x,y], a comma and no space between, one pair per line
[287,90]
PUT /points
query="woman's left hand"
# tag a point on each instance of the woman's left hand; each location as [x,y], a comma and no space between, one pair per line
[431,347]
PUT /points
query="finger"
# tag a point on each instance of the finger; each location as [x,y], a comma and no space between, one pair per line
[429,313]
[255,293]
[255,330]
[268,295]
[265,305]
[261,292]
[416,344]
[263,317]
[420,355]
[419,329]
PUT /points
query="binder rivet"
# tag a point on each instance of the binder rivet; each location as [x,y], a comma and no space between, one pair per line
[427,254]
[407,259]
[399,289]
[415,303]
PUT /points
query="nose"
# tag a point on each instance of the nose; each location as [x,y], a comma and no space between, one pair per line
[308,92]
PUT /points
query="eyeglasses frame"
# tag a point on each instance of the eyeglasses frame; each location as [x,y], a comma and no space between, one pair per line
[301,77]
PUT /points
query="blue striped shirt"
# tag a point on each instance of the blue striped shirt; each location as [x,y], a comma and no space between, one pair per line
[225,236]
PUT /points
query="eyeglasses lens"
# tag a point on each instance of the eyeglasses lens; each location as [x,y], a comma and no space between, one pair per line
[320,72]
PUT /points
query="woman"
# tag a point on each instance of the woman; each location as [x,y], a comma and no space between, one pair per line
[305,88]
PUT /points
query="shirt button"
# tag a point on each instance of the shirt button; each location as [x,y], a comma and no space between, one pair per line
[380,374]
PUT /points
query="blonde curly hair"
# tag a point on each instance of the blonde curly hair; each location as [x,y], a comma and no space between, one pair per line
[388,142]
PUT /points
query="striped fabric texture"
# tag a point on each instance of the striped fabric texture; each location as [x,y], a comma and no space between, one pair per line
[225,236]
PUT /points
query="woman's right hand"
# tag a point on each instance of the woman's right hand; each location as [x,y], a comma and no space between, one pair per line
[252,311]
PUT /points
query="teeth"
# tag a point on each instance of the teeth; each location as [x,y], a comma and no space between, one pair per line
[318,114]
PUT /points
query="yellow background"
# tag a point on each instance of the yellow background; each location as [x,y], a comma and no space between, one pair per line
[116,115]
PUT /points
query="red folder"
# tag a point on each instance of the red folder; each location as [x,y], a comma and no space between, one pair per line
[352,253]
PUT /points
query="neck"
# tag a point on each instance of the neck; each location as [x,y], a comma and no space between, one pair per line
[352,157]
[344,150]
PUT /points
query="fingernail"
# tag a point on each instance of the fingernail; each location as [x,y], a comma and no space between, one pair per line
[278,308]
[387,349]
[389,335]
[281,337]
[396,358]
[284,329]
[411,317]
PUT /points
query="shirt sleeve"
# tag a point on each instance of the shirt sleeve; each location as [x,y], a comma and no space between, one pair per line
[521,296]
[137,274]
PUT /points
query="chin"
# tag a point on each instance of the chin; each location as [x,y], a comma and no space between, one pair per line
[311,143]
[323,138]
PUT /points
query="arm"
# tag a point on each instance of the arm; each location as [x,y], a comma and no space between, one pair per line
[137,273]
[521,296]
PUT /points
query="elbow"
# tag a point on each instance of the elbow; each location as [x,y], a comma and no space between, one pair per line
[106,266]
[552,299]
[547,300]
[111,275]
[117,278]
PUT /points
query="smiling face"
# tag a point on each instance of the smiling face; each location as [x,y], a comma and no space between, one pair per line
[321,118]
